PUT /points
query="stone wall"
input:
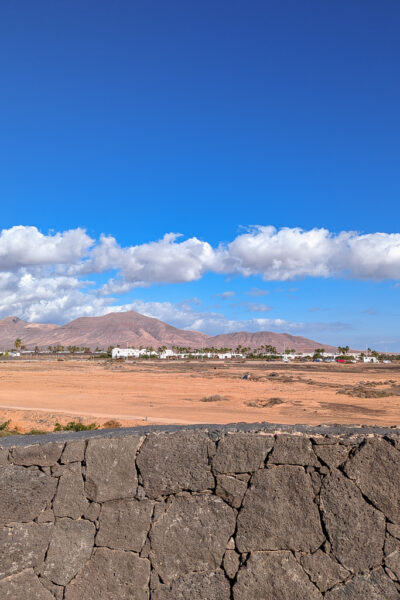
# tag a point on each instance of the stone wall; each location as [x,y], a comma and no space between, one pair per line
[207,513]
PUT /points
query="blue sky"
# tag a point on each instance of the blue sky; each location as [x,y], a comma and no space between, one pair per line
[214,120]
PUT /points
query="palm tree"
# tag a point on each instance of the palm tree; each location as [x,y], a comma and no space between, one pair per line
[18,343]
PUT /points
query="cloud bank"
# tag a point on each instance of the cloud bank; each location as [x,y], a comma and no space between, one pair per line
[47,276]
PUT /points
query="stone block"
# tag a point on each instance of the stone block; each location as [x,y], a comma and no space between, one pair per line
[74,451]
[333,456]
[124,524]
[111,575]
[24,493]
[323,570]
[110,468]
[231,489]
[279,512]
[369,586]
[231,563]
[197,586]
[273,576]
[241,452]
[40,455]
[356,529]
[392,555]
[174,462]
[70,499]
[293,450]
[3,457]
[191,536]
[24,586]
[23,546]
[70,547]
[375,468]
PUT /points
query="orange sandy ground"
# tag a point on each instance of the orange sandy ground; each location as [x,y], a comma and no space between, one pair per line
[37,393]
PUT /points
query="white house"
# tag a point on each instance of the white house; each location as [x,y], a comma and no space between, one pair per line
[370,359]
[125,353]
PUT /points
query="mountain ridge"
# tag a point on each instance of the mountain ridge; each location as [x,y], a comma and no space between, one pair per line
[134,329]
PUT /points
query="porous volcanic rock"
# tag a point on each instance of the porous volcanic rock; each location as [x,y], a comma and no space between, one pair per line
[279,512]
[111,575]
[184,463]
[41,455]
[191,536]
[24,493]
[16,587]
[22,546]
[196,586]
[293,450]
[369,586]
[323,570]
[70,547]
[241,452]
[110,468]
[332,455]
[375,468]
[356,529]
[124,524]
[70,499]
[273,576]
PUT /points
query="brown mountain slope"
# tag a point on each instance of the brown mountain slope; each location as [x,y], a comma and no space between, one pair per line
[133,329]
[263,338]
[12,328]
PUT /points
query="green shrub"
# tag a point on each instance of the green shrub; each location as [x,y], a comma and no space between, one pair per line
[75,426]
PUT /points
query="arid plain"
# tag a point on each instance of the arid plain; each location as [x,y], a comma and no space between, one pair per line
[38,393]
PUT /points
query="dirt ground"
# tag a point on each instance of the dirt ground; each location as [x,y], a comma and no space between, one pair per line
[38,393]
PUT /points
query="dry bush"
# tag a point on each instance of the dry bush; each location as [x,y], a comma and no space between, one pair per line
[214,398]
[111,424]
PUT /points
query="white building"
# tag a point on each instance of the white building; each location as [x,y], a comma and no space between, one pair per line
[125,353]
[370,359]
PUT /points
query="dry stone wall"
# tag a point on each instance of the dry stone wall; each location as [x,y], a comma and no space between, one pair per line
[206,513]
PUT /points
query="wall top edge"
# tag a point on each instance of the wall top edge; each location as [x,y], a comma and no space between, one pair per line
[212,429]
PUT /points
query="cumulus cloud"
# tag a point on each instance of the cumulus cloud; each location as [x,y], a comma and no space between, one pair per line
[26,246]
[45,276]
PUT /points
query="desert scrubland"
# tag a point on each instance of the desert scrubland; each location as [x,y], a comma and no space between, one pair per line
[39,393]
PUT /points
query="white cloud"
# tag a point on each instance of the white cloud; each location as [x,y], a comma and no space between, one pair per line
[225,295]
[41,275]
[25,246]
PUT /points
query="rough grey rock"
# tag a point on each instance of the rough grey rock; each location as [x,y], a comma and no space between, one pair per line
[273,576]
[231,489]
[16,587]
[333,456]
[70,499]
[124,524]
[231,563]
[375,468]
[356,529]
[175,462]
[111,575]
[46,516]
[279,512]
[3,457]
[370,586]
[241,452]
[196,586]
[323,570]
[24,493]
[56,590]
[393,529]
[110,468]
[74,451]
[22,546]
[41,455]
[293,450]
[92,511]
[191,536]
[392,555]
[70,547]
